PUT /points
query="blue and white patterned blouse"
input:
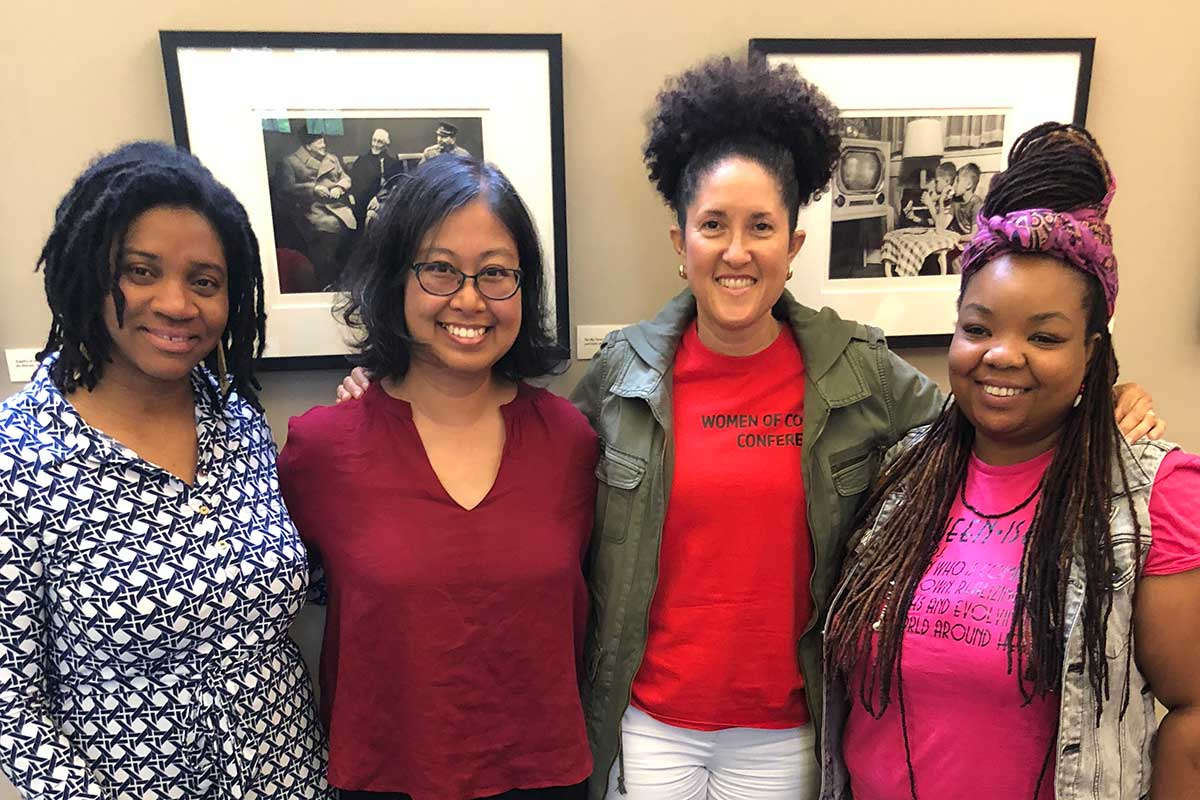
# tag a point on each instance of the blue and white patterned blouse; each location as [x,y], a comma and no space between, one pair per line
[144,648]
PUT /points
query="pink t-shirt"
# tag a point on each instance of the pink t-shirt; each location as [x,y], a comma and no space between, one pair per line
[968,728]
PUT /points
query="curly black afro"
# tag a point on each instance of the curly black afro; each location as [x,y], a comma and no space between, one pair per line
[725,107]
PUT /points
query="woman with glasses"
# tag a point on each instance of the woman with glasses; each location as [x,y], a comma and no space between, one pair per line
[450,509]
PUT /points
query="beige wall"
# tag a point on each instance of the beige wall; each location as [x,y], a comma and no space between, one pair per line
[78,78]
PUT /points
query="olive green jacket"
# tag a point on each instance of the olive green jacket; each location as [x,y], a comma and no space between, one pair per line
[859,400]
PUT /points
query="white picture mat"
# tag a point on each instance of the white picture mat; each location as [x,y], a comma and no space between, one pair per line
[1030,87]
[228,91]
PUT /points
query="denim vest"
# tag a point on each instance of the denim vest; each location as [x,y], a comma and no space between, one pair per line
[1105,761]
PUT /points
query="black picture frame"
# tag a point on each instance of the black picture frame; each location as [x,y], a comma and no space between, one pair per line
[193,60]
[852,72]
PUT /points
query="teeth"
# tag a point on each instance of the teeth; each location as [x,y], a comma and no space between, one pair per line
[736,283]
[1001,391]
[463,332]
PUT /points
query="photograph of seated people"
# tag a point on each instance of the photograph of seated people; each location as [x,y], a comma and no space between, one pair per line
[707,682]
[328,177]
[1018,561]
[150,571]
[949,202]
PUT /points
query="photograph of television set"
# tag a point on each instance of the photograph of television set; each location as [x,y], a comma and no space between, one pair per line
[328,177]
[907,189]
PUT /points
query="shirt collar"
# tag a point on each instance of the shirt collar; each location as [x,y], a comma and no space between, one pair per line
[218,430]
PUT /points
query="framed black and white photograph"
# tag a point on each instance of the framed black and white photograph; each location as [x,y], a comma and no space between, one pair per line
[308,129]
[925,124]
[328,175]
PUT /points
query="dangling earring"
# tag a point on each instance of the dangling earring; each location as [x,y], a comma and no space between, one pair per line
[1078,398]
[682,272]
[222,371]
[789,276]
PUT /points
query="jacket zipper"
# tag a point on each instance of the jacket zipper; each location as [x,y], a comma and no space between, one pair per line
[837,596]
[806,476]
[662,466]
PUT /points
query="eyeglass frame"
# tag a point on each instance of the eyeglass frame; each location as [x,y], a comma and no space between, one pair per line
[462,279]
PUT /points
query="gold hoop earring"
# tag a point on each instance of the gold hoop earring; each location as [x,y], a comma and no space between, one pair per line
[682,272]
[222,371]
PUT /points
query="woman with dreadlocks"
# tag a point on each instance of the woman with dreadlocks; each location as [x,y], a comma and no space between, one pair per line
[150,570]
[1023,584]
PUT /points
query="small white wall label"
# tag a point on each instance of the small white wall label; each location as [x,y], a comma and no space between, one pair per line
[21,363]
[589,337]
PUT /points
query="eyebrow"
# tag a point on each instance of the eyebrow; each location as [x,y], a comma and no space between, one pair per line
[1048,315]
[495,251]
[154,257]
[719,212]
[148,256]
[1043,317]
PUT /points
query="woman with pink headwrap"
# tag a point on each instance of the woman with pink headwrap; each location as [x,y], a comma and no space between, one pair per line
[1022,584]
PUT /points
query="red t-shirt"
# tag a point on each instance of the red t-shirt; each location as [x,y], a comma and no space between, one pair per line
[452,642]
[968,727]
[734,567]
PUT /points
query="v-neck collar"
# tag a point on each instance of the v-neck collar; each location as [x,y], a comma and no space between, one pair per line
[378,399]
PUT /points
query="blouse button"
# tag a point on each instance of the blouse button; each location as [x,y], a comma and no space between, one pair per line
[223,546]
[203,509]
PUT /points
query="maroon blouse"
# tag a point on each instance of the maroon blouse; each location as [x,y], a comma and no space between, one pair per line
[450,662]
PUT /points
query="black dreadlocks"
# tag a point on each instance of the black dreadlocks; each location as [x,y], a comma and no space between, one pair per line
[79,271]
[1053,166]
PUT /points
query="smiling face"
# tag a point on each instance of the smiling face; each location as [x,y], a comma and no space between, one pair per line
[1019,354]
[379,140]
[465,332]
[317,147]
[736,246]
[173,275]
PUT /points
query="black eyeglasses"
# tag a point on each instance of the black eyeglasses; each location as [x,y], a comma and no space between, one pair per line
[442,279]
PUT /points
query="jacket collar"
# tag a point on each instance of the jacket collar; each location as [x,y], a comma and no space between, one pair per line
[822,336]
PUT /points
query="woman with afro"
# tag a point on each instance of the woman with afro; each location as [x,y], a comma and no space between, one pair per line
[149,568]
[741,432]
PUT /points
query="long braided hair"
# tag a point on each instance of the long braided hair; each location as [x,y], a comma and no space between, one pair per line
[91,221]
[1053,166]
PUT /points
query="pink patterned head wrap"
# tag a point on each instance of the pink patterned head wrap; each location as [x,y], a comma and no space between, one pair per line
[1082,238]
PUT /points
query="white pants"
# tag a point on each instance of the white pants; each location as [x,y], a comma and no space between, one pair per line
[663,762]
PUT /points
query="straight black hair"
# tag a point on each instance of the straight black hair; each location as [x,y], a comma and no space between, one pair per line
[373,286]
